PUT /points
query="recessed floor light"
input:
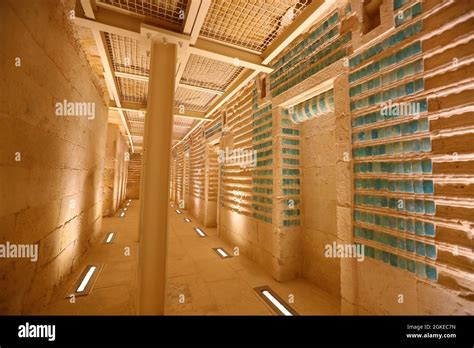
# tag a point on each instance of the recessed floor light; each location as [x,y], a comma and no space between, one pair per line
[125,209]
[222,253]
[86,280]
[179,211]
[109,237]
[187,220]
[128,204]
[275,302]
[122,214]
[200,232]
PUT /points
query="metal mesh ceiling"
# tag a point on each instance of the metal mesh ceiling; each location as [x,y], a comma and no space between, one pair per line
[193,100]
[137,139]
[183,121]
[132,90]
[137,128]
[128,55]
[209,73]
[252,24]
[136,116]
[170,11]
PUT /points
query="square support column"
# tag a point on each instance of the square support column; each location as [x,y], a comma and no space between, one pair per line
[155,180]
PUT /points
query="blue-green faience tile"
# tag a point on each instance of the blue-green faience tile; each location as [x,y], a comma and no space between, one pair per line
[400,185]
[393,260]
[428,187]
[401,224]
[426,166]
[420,269]
[410,226]
[431,273]
[410,205]
[409,186]
[378,254]
[416,167]
[419,207]
[419,231]
[429,229]
[426,144]
[402,262]
[416,145]
[401,244]
[430,251]
[430,207]
[420,248]
[411,266]
[392,241]
[369,251]
[418,186]
[410,245]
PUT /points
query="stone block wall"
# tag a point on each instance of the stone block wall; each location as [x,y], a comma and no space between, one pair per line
[133,177]
[51,167]
[116,170]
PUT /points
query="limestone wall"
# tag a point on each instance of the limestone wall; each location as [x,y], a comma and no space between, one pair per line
[51,167]
[116,169]
[133,176]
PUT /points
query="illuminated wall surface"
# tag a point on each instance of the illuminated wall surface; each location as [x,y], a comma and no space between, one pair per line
[411,140]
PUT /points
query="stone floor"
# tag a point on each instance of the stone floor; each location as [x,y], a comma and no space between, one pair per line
[199,282]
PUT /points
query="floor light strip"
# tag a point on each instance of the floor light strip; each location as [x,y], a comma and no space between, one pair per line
[109,237]
[187,220]
[275,302]
[179,211]
[222,253]
[86,279]
[200,232]
[122,214]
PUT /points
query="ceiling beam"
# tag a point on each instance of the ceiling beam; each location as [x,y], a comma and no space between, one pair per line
[180,84]
[112,22]
[200,89]
[99,39]
[199,20]
[131,76]
[190,16]
[213,50]
[190,114]
[125,109]
[132,106]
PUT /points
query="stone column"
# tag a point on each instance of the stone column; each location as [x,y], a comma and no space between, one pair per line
[155,180]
